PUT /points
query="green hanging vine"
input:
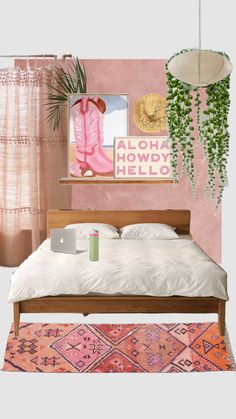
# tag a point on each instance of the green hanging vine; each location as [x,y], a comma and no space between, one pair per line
[212,130]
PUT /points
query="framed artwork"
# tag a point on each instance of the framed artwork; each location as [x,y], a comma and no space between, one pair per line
[142,157]
[94,121]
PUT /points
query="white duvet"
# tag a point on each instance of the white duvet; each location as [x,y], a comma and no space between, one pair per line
[141,267]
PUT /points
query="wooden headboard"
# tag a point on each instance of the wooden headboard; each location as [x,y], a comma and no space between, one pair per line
[119,218]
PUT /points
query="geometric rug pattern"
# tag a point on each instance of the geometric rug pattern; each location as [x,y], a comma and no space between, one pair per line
[117,348]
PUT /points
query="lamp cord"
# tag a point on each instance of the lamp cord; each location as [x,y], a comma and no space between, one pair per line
[199,25]
[199,40]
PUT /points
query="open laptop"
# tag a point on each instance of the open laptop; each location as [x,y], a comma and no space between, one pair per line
[63,240]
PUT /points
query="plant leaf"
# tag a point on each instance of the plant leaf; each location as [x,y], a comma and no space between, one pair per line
[62,83]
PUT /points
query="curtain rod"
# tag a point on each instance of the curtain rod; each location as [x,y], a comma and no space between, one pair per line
[36,56]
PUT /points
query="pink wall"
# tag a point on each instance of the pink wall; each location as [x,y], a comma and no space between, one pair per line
[137,78]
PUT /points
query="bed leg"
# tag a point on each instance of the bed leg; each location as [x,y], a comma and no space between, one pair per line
[16,308]
[221,316]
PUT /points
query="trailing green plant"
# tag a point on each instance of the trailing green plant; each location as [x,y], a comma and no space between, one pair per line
[64,81]
[215,136]
[211,131]
[180,124]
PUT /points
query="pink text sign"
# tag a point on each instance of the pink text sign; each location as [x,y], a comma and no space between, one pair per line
[142,157]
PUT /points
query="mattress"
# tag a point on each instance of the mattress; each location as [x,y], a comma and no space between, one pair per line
[137,267]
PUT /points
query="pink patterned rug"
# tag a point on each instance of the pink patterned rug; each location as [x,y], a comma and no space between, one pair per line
[176,347]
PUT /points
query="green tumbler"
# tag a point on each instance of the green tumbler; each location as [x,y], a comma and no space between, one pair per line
[94,245]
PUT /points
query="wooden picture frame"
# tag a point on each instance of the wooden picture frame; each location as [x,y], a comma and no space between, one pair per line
[87,304]
[116,107]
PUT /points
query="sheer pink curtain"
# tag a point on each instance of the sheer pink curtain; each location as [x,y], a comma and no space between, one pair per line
[32,159]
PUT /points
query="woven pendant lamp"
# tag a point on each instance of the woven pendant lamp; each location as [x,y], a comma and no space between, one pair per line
[199,67]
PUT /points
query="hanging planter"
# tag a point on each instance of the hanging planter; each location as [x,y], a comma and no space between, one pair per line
[212,129]
[198,67]
[188,73]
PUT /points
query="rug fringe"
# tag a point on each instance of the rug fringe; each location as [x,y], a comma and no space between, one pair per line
[229,349]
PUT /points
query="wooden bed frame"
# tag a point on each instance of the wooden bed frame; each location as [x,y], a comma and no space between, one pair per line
[87,304]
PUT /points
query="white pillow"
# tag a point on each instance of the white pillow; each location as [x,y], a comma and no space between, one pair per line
[148,231]
[106,231]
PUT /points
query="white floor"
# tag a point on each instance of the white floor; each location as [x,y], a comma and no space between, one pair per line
[137,396]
